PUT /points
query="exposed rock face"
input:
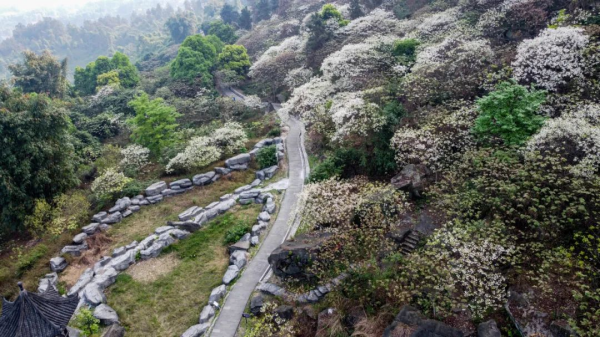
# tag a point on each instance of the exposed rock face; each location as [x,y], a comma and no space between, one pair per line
[114,330]
[106,314]
[488,329]
[424,327]
[412,178]
[292,258]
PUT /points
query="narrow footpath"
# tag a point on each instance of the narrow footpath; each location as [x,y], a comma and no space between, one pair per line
[231,313]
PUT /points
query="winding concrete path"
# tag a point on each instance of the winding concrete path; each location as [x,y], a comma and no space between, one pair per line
[231,313]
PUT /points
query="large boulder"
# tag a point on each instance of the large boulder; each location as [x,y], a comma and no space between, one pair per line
[190,213]
[74,250]
[293,257]
[120,205]
[180,184]
[113,218]
[424,327]
[412,178]
[239,258]
[156,189]
[58,264]
[207,313]
[239,160]
[256,303]
[47,282]
[114,330]
[217,294]
[196,330]
[91,228]
[106,314]
[93,294]
[232,272]
[79,238]
[84,279]
[204,178]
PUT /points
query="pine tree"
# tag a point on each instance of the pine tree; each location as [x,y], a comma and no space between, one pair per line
[355,10]
[262,10]
[229,14]
[245,19]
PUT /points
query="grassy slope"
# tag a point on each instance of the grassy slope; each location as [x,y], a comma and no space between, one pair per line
[172,303]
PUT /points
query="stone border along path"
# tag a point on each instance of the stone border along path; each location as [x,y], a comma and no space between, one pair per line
[91,284]
[234,305]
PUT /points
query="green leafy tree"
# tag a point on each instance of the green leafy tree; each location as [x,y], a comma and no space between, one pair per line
[195,59]
[405,50]
[245,21]
[36,155]
[42,74]
[153,123]
[509,112]
[223,31]
[317,27]
[181,26]
[95,74]
[110,78]
[229,14]
[234,57]
[355,10]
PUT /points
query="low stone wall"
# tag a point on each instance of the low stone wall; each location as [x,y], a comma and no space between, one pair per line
[92,283]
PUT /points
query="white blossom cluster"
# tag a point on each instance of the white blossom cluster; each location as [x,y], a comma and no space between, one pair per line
[377,22]
[438,23]
[573,138]
[297,77]
[199,152]
[453,66]
[474,267]
[352,116]
[552,59]
[135,157]
[496,17]
[109,182]
[253,102]
[230,138]
[437,144]
[355,65]
[309,96]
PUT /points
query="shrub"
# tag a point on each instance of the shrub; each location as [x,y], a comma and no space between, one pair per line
[65,212]
[199,152]
[267,156]
[325,170]
[135,157]
[509,112]
[235,233]
[25,261]
[109,183]
[405,50]
[86,321]
[274,132]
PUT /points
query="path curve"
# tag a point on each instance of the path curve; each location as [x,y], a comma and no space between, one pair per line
[231,313]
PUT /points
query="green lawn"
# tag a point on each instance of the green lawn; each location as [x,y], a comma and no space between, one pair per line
[172,303]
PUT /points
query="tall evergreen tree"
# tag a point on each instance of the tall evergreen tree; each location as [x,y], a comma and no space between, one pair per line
[41,74]
[355,10]
[229,14]
[262,10]
[181,26]
[245,19]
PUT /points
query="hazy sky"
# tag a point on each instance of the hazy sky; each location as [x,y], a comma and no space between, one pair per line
[33,4]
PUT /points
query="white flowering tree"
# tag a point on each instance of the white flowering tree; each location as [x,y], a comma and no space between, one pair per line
[439,23]
[572,138]
[111,181]
[358,66]
[439,143]
[354,117]
[199,152]
[135,157]
[230,138]
[552,59]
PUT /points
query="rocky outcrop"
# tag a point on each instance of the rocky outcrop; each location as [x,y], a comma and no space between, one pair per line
[106,314]
[423,326]
[156,189]
[293,257]
[412,178]
[58,264]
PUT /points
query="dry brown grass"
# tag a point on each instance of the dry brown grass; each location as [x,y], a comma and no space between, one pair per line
[98,246]
[375,326]
[151,270]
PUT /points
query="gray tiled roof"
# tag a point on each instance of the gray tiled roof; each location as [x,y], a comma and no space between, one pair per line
[37,315]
